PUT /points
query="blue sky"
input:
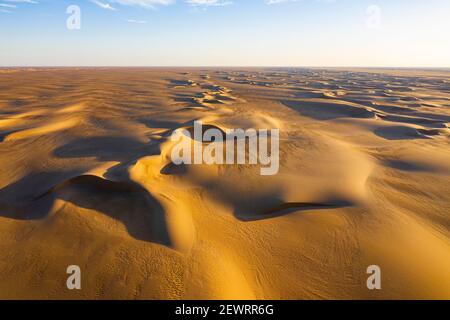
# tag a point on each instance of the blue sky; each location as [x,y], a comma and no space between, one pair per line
[377,33]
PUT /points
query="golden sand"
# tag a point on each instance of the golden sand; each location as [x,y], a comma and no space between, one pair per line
[86,179]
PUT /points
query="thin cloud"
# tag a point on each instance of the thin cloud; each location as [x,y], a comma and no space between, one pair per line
[22,1]
[147,4]
[209,3]
[102,5]
[8,7]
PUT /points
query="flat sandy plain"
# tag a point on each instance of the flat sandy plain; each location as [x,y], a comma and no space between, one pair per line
[86,179]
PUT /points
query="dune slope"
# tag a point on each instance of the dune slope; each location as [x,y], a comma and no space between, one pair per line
[87,179]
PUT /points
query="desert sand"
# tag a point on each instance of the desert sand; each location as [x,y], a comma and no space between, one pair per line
[86,179]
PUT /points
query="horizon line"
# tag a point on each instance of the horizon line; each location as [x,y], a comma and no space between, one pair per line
[219,66]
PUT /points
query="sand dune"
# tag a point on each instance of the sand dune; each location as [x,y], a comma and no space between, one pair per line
[87,179]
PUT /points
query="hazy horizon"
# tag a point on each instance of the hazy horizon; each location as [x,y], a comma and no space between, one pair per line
[330,67]
[222,33]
